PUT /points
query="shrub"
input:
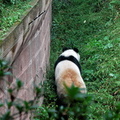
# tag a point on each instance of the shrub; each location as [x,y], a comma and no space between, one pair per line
[23,107]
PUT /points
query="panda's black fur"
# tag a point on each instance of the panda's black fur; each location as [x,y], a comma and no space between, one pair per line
[70,58]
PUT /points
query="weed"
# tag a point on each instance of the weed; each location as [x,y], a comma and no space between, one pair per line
[22,107]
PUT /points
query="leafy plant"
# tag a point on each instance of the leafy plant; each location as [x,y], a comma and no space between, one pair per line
[76,107]
[23,107]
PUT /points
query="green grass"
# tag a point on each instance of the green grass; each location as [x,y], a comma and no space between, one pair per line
[93,26]
[10,14]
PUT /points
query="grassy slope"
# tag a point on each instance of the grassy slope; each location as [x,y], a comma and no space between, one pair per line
[11,14]
[94,28]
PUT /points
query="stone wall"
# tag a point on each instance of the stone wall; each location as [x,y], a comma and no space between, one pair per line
[27,47]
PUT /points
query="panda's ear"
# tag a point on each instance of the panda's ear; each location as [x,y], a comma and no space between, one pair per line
[76,50]
[64,49]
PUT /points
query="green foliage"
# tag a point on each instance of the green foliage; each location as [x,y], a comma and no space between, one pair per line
[77,107]
[4,65]
[16,9]
[11,1]
[42,113]
[22,106]
[93,27]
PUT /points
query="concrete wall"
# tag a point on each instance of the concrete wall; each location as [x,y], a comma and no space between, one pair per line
[28,49]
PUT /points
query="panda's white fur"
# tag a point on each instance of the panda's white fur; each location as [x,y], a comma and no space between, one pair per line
[68,73]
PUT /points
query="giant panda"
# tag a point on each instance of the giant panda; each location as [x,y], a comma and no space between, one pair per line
[68,71]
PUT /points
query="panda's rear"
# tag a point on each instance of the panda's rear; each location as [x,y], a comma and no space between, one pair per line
[67,72]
